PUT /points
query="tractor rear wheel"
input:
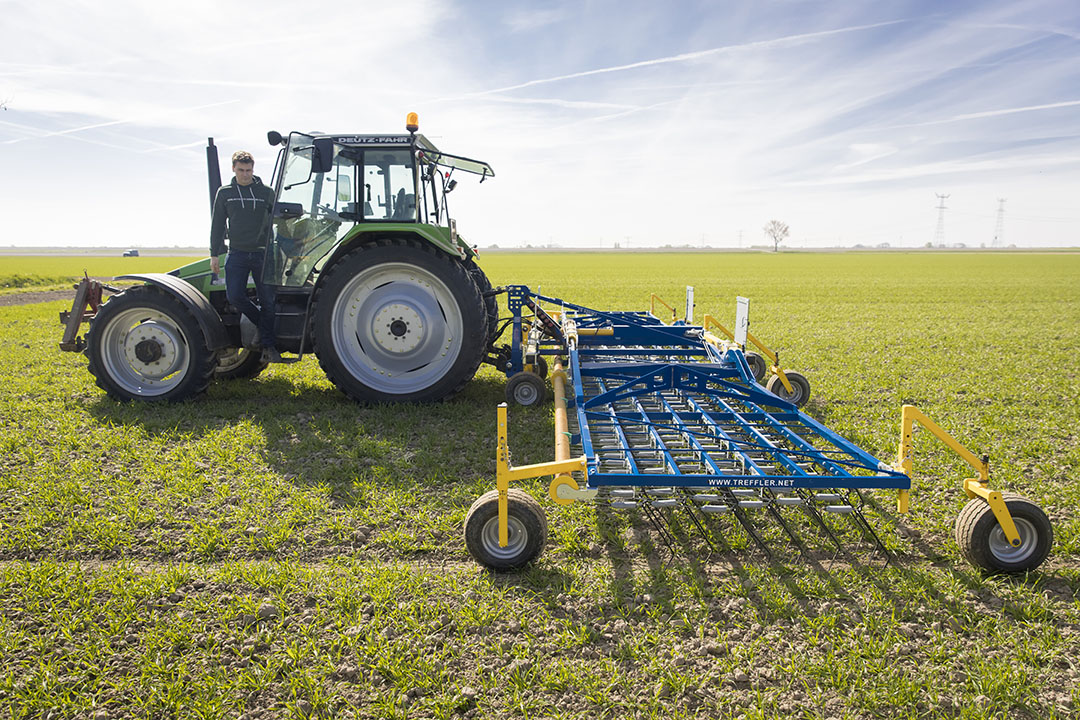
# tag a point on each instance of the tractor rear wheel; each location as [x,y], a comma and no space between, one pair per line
[399,321]
[238,364]
[491,303]
[144,344]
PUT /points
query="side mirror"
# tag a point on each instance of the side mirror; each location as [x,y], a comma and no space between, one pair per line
[323,161]
[451,185]
[344,188]
[274,138]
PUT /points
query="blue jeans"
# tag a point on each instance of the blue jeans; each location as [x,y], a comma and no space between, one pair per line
[238,265]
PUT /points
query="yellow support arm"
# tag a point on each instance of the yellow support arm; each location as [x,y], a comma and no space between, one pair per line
[654,298]
[505,472]
[709,320]
[973,487]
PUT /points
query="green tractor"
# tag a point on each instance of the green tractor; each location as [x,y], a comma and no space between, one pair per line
[370,275]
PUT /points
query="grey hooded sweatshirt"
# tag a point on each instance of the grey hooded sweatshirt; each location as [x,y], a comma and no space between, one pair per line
[247,209]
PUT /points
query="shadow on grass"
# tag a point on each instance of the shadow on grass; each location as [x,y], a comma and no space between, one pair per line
[313,435]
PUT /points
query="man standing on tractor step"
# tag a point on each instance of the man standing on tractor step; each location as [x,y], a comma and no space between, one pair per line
[245,204]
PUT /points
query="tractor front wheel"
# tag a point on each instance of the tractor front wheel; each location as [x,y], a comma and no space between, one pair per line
[983,542]
[399,321]
[145,344]
[526,530]
[238,364]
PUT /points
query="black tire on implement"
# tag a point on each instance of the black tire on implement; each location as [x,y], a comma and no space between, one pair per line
[758,366]
[983,542]
[800,387]
[238,364]
[526,525]
[145,344]
[399,321]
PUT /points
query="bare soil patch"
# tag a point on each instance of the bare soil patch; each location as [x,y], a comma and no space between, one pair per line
[35,296]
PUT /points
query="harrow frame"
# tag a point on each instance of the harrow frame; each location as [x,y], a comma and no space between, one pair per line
[667,415]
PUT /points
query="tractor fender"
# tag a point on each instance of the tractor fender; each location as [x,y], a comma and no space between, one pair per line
[209,321]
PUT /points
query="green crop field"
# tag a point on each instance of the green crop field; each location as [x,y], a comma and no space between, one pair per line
[275,550]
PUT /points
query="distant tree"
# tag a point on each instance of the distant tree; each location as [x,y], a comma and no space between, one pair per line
[777,232]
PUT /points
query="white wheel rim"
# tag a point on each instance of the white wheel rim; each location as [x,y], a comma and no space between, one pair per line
[1006,553]
[145,352]
[397,328]
[517,537]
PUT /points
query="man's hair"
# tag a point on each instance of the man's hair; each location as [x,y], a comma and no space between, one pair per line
[243,157]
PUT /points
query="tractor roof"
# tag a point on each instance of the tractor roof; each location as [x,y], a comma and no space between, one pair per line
[428,151]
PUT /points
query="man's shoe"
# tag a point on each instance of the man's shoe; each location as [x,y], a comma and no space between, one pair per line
[271,355]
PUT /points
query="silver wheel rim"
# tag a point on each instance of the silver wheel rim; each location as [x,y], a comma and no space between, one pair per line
[397,328]
[231,358]
[517,537]
[525,393]
[124,345]
[1006,553]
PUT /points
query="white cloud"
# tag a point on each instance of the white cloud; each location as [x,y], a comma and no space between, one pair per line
[613,120]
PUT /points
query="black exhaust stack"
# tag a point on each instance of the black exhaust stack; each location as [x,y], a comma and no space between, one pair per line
[213,170]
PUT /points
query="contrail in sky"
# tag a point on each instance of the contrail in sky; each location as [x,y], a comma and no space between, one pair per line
[83,128]
[991,113]
[683,57]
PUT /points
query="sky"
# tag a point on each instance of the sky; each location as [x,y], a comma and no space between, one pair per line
[634,123]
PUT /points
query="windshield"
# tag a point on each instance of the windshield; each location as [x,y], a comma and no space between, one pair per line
[315,210]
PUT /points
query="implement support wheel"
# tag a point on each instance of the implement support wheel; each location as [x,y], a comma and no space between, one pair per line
[540,367]
[983,542]
[799,385]
[758,366]
[526,389]
[526,530]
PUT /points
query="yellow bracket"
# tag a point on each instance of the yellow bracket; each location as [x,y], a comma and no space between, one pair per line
[653,299]
[709,321]
[505,472]
[973,487]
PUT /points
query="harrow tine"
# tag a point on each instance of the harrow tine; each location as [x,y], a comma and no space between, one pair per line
[815,515]
[861,520]
[658,523]
[690,506]
[740,515]
[772,508]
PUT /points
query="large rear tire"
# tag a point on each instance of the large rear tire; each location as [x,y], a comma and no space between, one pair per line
[491,303]
[145,344]
[399,321]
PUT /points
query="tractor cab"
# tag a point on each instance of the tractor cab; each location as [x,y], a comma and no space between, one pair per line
[334,190]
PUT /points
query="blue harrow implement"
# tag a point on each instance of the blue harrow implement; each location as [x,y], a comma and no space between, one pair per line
[671,420]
